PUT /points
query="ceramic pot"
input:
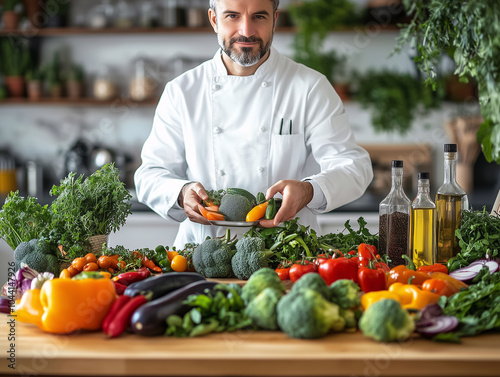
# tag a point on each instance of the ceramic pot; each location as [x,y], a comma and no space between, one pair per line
[34,89]
[32,8]
[10,19]
[15,86]
[74,89]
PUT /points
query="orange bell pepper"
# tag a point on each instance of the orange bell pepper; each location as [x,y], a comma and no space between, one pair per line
[436,267]
[457,284]
[63,306]
[412,297]
[401,274]
[440,287]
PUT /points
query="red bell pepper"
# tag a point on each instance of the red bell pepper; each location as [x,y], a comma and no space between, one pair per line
[372,279]
[339,268]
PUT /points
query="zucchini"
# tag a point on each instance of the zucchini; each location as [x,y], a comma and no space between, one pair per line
[271,209]
[243,192]
[160,285]
[150,318]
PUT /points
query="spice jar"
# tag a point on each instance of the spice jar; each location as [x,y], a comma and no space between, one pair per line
[143,85]
[124,15]
[100,16]
[104,87]
[394,219]
[196,14]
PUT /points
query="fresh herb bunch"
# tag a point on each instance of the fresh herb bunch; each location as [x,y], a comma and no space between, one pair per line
[479,237]
[214,196]
[346,242]
[468,32]
[477,309]
[85,207]
[23,219]
[221,310]
[132,263]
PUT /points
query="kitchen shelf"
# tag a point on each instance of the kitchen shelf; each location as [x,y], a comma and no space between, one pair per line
[78,102]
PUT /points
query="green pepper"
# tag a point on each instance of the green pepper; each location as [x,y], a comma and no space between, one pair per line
[261,198]
[165,265]
[271,209]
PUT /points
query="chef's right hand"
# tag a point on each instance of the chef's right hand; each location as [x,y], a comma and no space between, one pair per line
[190,196]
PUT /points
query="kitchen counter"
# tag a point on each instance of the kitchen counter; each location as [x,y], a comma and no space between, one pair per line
[243,354]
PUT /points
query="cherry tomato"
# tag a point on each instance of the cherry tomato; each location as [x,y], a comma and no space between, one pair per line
[179,263]
[91,267]
[104,262]
[283,273]
[90,258]
[298,270]
[72,271]
[78,263]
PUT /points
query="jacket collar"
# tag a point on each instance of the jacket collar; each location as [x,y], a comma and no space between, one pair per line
[265,68]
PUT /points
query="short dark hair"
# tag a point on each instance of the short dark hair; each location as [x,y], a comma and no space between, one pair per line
[276,4]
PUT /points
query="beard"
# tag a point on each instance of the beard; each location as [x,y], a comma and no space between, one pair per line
[247,57]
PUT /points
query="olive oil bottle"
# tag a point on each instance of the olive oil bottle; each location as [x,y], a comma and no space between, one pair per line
[423,224]
[451,200]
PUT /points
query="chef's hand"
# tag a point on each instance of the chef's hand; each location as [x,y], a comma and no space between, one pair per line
[190,196]
[296,195]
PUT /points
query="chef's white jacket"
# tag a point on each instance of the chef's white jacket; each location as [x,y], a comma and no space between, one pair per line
[283,122]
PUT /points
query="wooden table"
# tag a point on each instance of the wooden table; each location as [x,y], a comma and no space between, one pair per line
[243,354]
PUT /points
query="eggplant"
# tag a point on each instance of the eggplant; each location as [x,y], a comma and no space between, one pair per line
[160,285]
[150,318]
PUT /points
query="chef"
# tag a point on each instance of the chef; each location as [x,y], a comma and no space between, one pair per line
[254,119]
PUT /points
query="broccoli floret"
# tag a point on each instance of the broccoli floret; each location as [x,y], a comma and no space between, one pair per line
[307,314]
[262,309]
[350,318]
[312,281]
[22,250]
[235,207]
[212,258]
[38,254]
[344,292]
[250,256]
[260,280]
[386,321]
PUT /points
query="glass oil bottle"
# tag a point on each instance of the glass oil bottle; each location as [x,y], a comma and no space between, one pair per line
[394,219]
[423,224]
[451,200]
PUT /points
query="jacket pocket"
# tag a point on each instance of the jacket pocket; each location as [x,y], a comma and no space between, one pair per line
[287,156]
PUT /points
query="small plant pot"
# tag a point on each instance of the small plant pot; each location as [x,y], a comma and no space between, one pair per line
[56,90]
[96,242]
[33,8]
[74,89]
[10,19]
[15,86]
[457,91]
[34,89]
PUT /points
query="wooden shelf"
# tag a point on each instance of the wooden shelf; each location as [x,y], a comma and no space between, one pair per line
[78,102]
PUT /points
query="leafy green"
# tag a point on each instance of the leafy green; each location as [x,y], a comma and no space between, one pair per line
[23,219]
[469,32]
[217,311]
[84,207]
[479,236]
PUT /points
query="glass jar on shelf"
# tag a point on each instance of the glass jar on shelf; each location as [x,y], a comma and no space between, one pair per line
[148,14]
[124,15]
[104,86]
[143,83]
[101,15]
[196,13]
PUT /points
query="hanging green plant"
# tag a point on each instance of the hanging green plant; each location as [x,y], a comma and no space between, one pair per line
[468,31]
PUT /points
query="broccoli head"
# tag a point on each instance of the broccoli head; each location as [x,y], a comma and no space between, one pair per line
[212,258]
[38,254]
[250,257]
[386,321]
[307,314]
[235,207]
[312,281]
[345,293]
[22,250]
[262,309]
[260,280]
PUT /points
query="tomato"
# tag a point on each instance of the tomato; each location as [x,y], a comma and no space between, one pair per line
[366,253]
[78,263]
[90,258]
[372,279]
[104,262]
[179,263]
[283,273]
[320,259]
[339,268]
[91,266]
[298,270]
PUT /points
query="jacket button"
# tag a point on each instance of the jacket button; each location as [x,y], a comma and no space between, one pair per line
[215,87]
[261,169]
[222,172]
[217,130]
[264,84]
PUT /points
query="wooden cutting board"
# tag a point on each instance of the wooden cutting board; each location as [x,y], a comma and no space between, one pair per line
[243,353]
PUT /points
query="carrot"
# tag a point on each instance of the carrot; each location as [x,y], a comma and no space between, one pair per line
[257,212]
[215,216]
[203,211]
[213,208]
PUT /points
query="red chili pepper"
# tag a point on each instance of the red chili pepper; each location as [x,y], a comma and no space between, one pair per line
[119,323]
[371,279]
[352,252]
[283,273]
[119,288]
[115,308]
[130,277]
[339,268]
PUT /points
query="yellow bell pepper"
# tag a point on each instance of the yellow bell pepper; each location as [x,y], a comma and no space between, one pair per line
[372,297]
[412,297]
[68,305]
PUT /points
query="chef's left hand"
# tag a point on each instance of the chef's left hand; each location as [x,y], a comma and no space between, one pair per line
[296,195]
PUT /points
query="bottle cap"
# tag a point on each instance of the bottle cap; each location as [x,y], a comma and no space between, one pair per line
[450,148]
[397,163]
[424,175]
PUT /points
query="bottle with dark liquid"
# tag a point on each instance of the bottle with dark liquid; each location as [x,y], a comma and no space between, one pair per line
[423,225]
[451,200]
[394,220]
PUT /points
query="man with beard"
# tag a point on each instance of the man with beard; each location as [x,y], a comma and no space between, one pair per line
[249,118]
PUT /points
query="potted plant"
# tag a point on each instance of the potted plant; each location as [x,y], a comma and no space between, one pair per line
[32,9]
[87,209]
[57,13]
[75,81]
[34,86]
[395,99]
[15,61]
[10,13]
[315,19]
[468,32]
[53,76]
